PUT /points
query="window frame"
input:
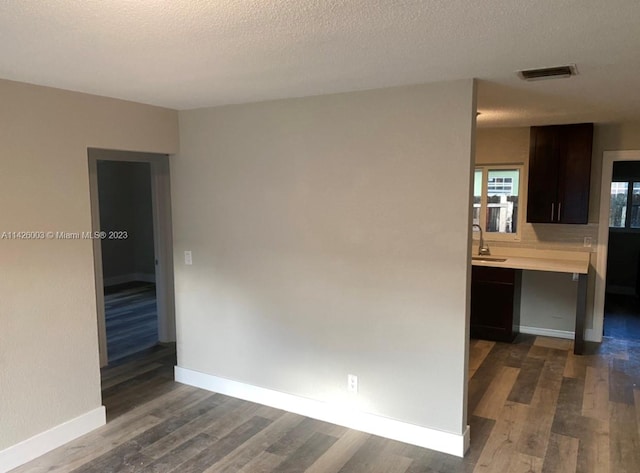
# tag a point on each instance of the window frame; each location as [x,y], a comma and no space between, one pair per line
[486,168]
[629,207]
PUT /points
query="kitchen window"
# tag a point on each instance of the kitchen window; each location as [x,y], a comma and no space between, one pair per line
[624,210]
[496,197]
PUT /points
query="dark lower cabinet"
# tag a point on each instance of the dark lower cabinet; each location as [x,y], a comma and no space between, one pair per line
[495,303]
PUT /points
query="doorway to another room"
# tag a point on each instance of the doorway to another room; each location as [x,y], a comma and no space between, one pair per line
[128,258]
[622,296]
[133,265]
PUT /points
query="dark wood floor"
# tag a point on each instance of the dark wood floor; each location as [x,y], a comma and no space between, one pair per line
[622,316]
[131,319]
[533,407]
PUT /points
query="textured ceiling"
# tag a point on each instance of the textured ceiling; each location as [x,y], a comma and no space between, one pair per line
[197,53]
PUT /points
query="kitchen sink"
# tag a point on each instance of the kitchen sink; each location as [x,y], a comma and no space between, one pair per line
[489,258]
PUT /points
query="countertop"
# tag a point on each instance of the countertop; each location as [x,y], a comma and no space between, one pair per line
[537,260]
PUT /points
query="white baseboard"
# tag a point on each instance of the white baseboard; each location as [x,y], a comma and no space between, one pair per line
[547,332]
[131,277]
[589,334]
[433,439]
[44,442]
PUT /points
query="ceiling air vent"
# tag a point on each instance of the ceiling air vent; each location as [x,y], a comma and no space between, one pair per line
[557,72]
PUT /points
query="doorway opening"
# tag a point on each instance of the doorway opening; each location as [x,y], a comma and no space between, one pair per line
[617,292]
[622,296]
[131,224]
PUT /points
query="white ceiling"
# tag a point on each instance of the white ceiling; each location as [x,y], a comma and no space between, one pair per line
[195,53]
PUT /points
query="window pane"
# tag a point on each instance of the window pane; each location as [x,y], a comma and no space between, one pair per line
[477,192]
[502,200]
[618,207]
[635,206]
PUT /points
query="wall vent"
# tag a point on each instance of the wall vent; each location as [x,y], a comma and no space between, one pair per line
[557,72]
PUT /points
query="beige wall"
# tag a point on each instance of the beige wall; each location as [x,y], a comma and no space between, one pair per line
[330,236]
[48,335]
[609,137]
[548,300]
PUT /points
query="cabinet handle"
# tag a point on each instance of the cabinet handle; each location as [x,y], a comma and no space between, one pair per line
[559,209]
[553,208]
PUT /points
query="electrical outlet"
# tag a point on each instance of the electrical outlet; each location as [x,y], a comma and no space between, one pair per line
[187,258]
[587,242]
[352,383]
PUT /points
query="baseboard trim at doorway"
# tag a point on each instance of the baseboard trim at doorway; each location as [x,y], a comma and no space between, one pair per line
[44,442]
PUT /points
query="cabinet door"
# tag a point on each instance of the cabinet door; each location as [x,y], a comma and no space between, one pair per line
[574,174]
[542,196]
[495,303]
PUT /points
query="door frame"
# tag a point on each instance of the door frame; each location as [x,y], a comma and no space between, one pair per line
[608,158]
[162,240]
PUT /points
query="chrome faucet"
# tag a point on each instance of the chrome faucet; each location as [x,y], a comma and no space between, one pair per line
[483,248]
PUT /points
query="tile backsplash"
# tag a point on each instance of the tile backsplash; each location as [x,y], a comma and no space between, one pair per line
[553,237]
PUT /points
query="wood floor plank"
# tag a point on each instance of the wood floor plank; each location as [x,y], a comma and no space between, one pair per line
[501,445]
[305,455]
[443,463]
[537,428]
[256,446]
[521,463]
[390,463]
[538,352]
[190,429]
[477,354]
[294,439]
[636,394]
[620,382]
[91,446]
[567,419]
[176,400]
[128,457]
[145,392]
[422,463]
[386,458]
[339,453]
[478,385]
[364,459]
[265,462]
[516,355]
[115,380]
[576,366]
[624,442]
[595,402]
[527,381]
[162,353]
[481,430]
[562,455]
[593,452]
[180,454]
[492,403]
[131,382]
[231,420]
[206,460]
[557,343]
[170,452]
[616,349]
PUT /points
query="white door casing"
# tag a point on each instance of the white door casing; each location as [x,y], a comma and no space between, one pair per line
[608,158]
[162,236]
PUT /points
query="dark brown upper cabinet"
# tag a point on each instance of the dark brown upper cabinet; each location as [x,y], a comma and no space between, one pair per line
[559,173]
